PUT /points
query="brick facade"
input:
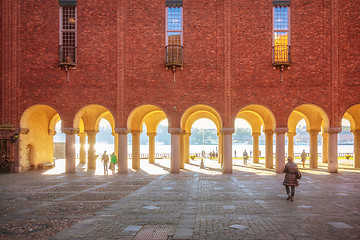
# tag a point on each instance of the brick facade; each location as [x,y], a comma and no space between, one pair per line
[227,58]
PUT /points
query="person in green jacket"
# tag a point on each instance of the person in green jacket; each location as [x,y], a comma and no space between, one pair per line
[113,162]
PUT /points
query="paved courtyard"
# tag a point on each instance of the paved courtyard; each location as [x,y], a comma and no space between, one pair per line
[196,204]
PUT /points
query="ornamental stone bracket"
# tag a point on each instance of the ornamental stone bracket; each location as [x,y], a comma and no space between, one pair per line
[122,130]
[175,130]
[69,130]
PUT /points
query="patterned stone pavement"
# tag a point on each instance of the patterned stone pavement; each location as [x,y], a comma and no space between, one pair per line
[196,204]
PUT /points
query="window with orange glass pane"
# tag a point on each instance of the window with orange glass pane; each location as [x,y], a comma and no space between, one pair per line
[281,41]
[174,36]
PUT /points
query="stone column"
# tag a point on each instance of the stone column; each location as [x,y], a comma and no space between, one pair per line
[151,147]
[187,147]
[175,149]
[291,136]
[116,144]
[220,149]
[325,147]
[314,148]
[256,136]
[135,149]
[333,150]
[269,159]
[69,149]
[82,152]
[356,148]
[182,153]
[280,149]
[122,150]
[227,136]
[91,151]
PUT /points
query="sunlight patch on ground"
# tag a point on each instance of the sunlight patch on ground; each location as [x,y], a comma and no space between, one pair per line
[58,169]
[153,169]
[212,167]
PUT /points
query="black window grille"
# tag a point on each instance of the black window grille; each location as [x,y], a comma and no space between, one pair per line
[281,35]
[67,50]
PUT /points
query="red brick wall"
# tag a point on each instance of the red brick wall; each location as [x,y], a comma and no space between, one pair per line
[121,47]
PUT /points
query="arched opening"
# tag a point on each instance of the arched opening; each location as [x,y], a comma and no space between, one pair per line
[208,131]
[29,164]
[37,125]
[262,123]
[59,142]
[242,143]
[204,143]
[307,124]
[90,121]
[352,124]
[143,125]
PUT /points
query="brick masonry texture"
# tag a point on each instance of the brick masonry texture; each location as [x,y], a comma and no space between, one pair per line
[121,53]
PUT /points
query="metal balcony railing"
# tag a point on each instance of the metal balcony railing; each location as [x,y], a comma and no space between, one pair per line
[174,56]
[67,56]
[281,55]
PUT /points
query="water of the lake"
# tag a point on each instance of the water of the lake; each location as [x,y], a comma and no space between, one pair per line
[239,148]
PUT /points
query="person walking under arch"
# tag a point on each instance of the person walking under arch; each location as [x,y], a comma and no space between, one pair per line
[113,161]
[291,178]
[303,158]
[105,160]
[245,156]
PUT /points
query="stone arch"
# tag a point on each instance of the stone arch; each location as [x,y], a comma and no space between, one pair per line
[315,117]
[258,117]
[353,115]
[191,115]
[91,116]
[266,117]
[200,111]
[37,129]
[86,123]
[150,115]
[316,121]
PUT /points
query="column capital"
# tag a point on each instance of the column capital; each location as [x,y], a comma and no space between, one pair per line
[174,130]
[134,132]
[332,130]
[91,132]
[268,131]
[151,134]
[255,134]
[69,130]
[281,130]
[81,134]
[227,130]
[291,134]
[313,131]
[122,130]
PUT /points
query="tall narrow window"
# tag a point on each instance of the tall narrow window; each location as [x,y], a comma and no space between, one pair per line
[281,33]
[67,51]
[174,33]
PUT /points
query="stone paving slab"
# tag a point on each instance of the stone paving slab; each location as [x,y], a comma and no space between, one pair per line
[195,204]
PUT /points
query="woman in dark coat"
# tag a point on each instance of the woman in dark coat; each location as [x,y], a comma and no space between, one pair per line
[290,179]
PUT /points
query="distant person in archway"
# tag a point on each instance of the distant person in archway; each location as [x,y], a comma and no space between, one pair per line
[113,161]
[291,178]
[303,158]
[105,160]
[245,156]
